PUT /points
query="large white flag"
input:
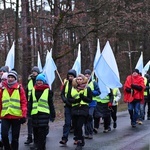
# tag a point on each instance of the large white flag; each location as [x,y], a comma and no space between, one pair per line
[77,63]
[49,70]
[106,71]
[139,64]
[39,64]
[147,66]
[10,59]
[98,53]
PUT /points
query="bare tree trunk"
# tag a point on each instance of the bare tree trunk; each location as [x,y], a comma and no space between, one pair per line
[18,61]
[26,41]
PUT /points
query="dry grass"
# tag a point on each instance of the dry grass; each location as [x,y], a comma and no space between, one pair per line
[122,106]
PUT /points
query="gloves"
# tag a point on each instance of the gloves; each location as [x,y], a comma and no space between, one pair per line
[94,93]
[51,119]
[109,104]
[81,96]
[71,100]
[78,100]
[136,87]
[67,102]
[23,120]
[128,90]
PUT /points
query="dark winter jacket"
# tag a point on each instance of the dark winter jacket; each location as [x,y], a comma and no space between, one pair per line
[42,119]
[83,109]
[65,97]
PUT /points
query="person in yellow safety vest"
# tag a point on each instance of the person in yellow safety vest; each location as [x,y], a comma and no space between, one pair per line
[42,110]
[103,110]
[95,94]
[31,82]
[65,94]
[80,97]
[116,97]
[147,95]
[13,110]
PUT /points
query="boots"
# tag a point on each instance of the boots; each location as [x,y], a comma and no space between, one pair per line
[79,146]
[29,140]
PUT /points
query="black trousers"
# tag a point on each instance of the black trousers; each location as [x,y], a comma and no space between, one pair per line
[114,113]
[15,125]
[79,121]
[40,137]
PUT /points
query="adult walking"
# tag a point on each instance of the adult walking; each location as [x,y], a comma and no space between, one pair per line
[65,95]
[80,97]
[147,95]
[95,95]
[116,97]
[134,94]
[31,83]
[13,109]
[42,110]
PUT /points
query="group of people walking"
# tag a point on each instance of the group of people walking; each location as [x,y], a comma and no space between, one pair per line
[83,106]
[34,105]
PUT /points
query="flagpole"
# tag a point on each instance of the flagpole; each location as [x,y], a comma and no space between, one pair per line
[130,60]
[129,54]
[59,77]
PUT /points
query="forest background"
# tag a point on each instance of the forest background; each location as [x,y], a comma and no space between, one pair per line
[39,25]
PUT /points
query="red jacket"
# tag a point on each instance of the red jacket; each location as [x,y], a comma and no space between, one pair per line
[137,95]
[23,100]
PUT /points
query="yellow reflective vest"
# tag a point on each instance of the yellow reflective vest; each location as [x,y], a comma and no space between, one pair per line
[104,100]
[145,82]
[11,104]
[115,94]
[91,85]
[42,104]
[76,95]
[66,88]
[30,87]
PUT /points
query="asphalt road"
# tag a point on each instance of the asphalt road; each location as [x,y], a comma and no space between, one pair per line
[124,137]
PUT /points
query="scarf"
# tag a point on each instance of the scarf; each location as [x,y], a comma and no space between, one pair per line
[10,84]
[81,87]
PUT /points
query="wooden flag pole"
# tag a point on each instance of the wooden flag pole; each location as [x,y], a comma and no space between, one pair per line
[59,77]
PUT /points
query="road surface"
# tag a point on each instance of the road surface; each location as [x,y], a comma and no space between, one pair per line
[124,137]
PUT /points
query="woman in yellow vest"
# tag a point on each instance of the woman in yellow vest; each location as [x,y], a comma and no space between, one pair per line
[42,110]
[80,97]
[116,97]
[13,110]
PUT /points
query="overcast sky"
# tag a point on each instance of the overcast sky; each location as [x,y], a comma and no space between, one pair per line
[8,4]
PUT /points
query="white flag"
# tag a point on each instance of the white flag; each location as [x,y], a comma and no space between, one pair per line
[39,64]
[77,63]
[49,70]
[98,53]
[147,66]
[106,71]
[10,59]
[139,64]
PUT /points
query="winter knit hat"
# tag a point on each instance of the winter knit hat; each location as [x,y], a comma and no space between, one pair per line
[13,73]
[36,69]
[87,71]
[41,77]
[4,69]
[136,70]
[72,72]
[5,75]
